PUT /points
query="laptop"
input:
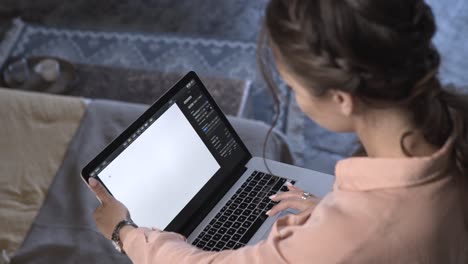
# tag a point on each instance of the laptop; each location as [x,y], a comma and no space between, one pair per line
[182,167]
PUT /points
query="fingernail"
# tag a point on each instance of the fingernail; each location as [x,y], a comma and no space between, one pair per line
[268,212]
[272,197]
[92,182]
[289,184]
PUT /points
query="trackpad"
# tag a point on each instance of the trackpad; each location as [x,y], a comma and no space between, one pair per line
[283,213]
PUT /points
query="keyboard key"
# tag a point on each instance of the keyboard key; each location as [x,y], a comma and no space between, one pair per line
[278,185]
[247,212]
[246,224]
[243,205]
[238,245]
[207,237]
[241,230]
[236,225]
[211,244]
[270,182]
[252,206]
[248,199]
[222,230]
[220,244]
[238,212]
[211,232]
[207,248]
[252,230]
[231,231]
[223,218]
[232,218]
[216,237]
[253,194]
[195,241]
[225,238]
[228,224]
[228,212]
[241,218]
[217,225]
[201,244]
[236,237]
[263,216]
[259,175]
[284,188]
[252,218]
[230,244]
[269,206]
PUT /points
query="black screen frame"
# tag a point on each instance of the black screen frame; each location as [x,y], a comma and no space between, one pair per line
[194,212]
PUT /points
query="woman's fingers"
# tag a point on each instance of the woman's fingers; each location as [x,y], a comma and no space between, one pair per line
[286,204]
[293,188]
[100,191]
[286,195]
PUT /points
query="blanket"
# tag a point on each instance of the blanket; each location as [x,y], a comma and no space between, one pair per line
[35,131]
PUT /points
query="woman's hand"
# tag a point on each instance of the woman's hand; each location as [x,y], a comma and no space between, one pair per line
[292,199]
[110,212]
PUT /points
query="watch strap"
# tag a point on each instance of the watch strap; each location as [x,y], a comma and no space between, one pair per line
[116,233]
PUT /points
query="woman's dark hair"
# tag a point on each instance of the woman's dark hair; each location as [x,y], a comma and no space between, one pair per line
[380,51]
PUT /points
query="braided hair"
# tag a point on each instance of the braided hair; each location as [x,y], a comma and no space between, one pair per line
[380,51]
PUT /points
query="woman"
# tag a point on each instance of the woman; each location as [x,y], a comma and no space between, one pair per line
[363,66]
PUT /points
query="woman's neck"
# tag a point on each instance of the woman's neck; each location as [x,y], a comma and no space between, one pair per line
[381,130]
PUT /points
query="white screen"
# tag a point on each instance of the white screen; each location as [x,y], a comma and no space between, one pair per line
[161,171]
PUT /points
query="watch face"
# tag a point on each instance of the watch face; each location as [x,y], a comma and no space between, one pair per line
[116,245]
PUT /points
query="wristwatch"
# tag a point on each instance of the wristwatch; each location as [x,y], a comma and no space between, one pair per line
[116,234]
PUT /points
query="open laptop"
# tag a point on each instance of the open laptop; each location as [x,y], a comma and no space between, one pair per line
[182,167]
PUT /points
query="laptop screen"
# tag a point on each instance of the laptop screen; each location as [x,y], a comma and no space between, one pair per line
[157,170]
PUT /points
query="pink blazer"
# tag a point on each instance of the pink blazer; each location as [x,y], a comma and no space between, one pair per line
[380,211]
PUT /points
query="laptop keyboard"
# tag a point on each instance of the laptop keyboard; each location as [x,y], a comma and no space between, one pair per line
[243,214]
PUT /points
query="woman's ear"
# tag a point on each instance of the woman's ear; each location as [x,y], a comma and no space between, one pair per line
[344,101]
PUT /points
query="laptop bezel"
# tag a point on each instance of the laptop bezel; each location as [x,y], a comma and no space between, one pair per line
[200,204]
